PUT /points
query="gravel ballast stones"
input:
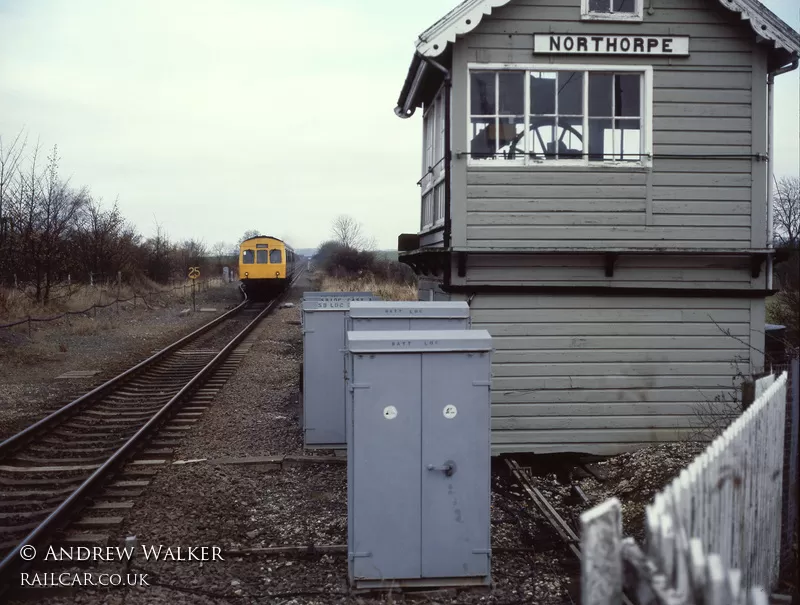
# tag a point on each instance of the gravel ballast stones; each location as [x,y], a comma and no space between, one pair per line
[209,501]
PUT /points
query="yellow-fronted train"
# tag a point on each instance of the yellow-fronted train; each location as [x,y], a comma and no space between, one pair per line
[266,266]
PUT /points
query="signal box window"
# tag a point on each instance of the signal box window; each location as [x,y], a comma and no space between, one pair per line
[275,257]
[595,116]
[248,257]
[612,10]
[261,257]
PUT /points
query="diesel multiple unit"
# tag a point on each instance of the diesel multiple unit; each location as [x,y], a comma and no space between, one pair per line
[266,265]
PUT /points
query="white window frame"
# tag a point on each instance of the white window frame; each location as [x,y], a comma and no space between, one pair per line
[637,15]
[646,112]
[433,168]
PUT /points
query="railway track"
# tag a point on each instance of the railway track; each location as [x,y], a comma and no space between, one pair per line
[50,471]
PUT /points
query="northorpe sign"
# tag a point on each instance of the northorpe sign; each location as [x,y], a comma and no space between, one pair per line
[572,44]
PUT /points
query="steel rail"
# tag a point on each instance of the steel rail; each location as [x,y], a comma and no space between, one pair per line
[58,518]
[562,527]
[21,438]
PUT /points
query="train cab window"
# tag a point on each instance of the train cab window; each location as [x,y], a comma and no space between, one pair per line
[248,257]
[275,257]
[261,257]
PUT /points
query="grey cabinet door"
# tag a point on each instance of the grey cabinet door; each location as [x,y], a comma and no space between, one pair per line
[323,376]
[386,465]
[455,434]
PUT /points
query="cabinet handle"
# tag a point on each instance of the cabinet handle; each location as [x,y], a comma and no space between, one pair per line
[448,468]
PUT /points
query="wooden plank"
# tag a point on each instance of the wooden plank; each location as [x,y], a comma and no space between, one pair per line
[570,192]
[540,204]
[706,179]
[556,218]
[664,94]
[617,329]
[702,136]
[485,316]
[706,207]
[576,301]
[579,232]
[573,436]
[654,261]
[572,422]
[760,170]
[556,383]
[612,342]
[725,80]
[701,123]
[721,166]
[683,220]
[702,110]
[604,396]
[623,276]
[704,149]
[529,26]
[590,177]
[640,408]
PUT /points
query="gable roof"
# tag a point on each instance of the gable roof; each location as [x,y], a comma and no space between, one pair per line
[465,17]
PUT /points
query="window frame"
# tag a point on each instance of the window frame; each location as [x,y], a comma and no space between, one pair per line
[646,103]
[433,166]
[588,15]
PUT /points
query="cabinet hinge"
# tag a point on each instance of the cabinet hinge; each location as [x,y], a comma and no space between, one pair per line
[358,555]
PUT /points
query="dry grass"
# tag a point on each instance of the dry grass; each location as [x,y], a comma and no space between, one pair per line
[19,303]
[385,290]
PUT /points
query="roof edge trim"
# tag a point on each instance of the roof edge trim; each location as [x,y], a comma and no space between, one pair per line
[461,20]
[467,16]
[766,24]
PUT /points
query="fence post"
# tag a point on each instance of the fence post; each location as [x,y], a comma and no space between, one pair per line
[601,554]
[792,533]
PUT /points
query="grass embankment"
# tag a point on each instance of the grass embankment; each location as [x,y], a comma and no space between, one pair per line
[386,290]
[20,303]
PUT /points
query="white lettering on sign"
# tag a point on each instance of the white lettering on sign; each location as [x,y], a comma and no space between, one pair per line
[450,412]
[390,412]
[610,45]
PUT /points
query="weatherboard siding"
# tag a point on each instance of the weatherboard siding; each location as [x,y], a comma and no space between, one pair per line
[609,374]
[703,104]
[677,271]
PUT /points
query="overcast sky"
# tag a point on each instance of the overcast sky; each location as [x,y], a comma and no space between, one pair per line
[214,117]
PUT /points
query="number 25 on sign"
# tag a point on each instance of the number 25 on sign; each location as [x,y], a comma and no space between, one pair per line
[194,272]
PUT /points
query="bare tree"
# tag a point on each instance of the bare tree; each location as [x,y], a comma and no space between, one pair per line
[786,211]
[221,252]
[250,233]
[10,156]
[347,231]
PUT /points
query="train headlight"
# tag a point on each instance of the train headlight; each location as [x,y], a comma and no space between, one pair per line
[246,273]
[277,273]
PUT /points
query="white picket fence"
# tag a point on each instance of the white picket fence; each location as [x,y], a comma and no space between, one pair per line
[713,535]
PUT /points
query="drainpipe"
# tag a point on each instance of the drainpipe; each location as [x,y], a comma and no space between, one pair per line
[770,159]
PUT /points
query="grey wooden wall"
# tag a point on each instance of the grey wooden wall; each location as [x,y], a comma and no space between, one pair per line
[712,102]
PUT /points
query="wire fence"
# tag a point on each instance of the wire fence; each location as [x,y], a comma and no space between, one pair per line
[200,285]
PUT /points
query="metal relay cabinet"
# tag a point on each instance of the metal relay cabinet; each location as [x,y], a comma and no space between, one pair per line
[323,380]
[329,295]
[408,315]
[418,458]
